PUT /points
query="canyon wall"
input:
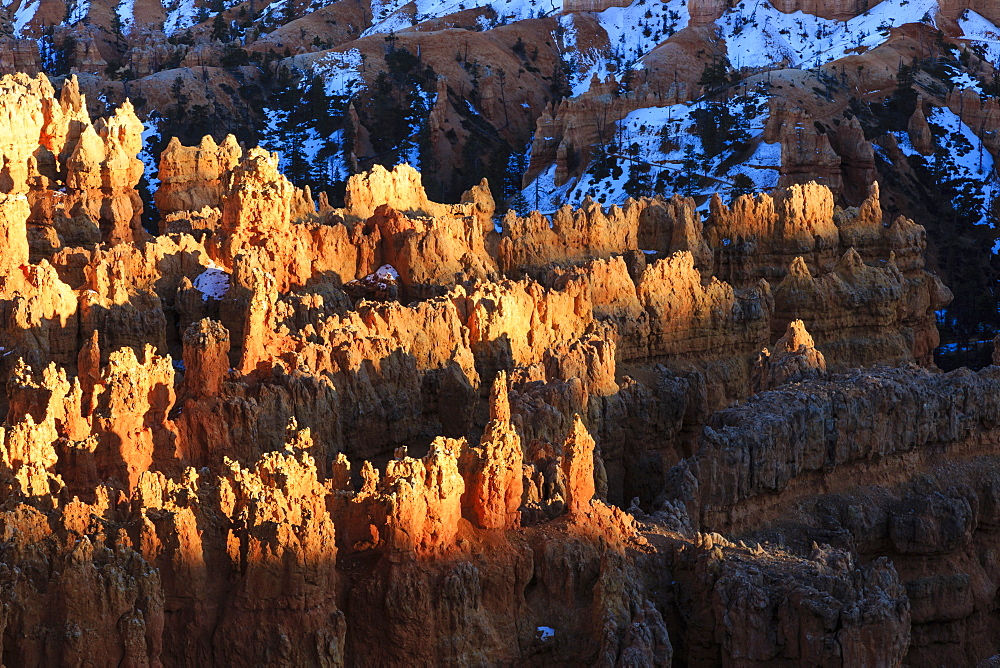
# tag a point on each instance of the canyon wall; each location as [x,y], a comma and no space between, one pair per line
[285,430]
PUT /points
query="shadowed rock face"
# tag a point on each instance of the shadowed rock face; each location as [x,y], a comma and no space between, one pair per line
[288,431]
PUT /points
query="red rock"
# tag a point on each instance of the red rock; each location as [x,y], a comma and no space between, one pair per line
[493,470]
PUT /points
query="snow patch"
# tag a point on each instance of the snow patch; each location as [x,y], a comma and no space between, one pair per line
[961,79]
[632,34]
[397,15]
[77,11]
[961,163]
[24,14]
[276,139]
[543,195]
[150,162]
[383,277]
[126,14]
[212,283]
[386,273]
[340,72]
[180,16]
[977,27]
[758,35]
[336,166]
[658,150]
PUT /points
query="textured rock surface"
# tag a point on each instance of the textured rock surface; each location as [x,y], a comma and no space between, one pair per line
[794,359]
[78,177]
[285,431]
[902,457]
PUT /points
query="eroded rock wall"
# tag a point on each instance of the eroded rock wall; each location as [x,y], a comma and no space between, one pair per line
[287,431]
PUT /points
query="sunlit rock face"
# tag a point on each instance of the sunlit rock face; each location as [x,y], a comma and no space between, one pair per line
[620,436]
[78,177]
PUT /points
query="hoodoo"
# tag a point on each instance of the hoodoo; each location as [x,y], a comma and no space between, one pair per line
[603,333]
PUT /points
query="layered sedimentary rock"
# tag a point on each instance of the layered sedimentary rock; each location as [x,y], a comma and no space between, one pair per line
[284,430]
[497,481]
[806,153]
[899,455]
[851,252]
[191,176]
[220,544]
[794,359]
[566,133]
[251,211]
[79,177]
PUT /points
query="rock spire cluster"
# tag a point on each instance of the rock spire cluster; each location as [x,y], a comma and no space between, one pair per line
[285,431]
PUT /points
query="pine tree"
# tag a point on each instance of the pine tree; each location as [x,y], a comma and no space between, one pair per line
[220,28]
[716,73]
[640,182]
[689,178]
[742,185]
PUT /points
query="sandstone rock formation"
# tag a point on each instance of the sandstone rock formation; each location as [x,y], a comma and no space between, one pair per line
[228,442]
[794,359]
[78,177]
[191,177]
[863,435]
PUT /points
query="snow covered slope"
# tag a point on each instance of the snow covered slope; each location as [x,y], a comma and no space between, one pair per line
[661,150]
[758,35]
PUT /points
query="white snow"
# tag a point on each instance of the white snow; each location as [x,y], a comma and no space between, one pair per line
[180,16]
[277,138]
[382,278]
[962,79]
[46,52]
[268,14]
[77,11]
[25,12]
[543,195]
[961,162]
[386,273]
[665,140]
[978,28]
[762,166]
[583,64]
[395,19]
[383,9]
[758,35]
[151,163]
[212,283]
[566,23]
[336,166]
[417,119]
[322,155]
[274,14]
[632,32]
[126,15]
[397,15]
[340,72]
[274,119]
